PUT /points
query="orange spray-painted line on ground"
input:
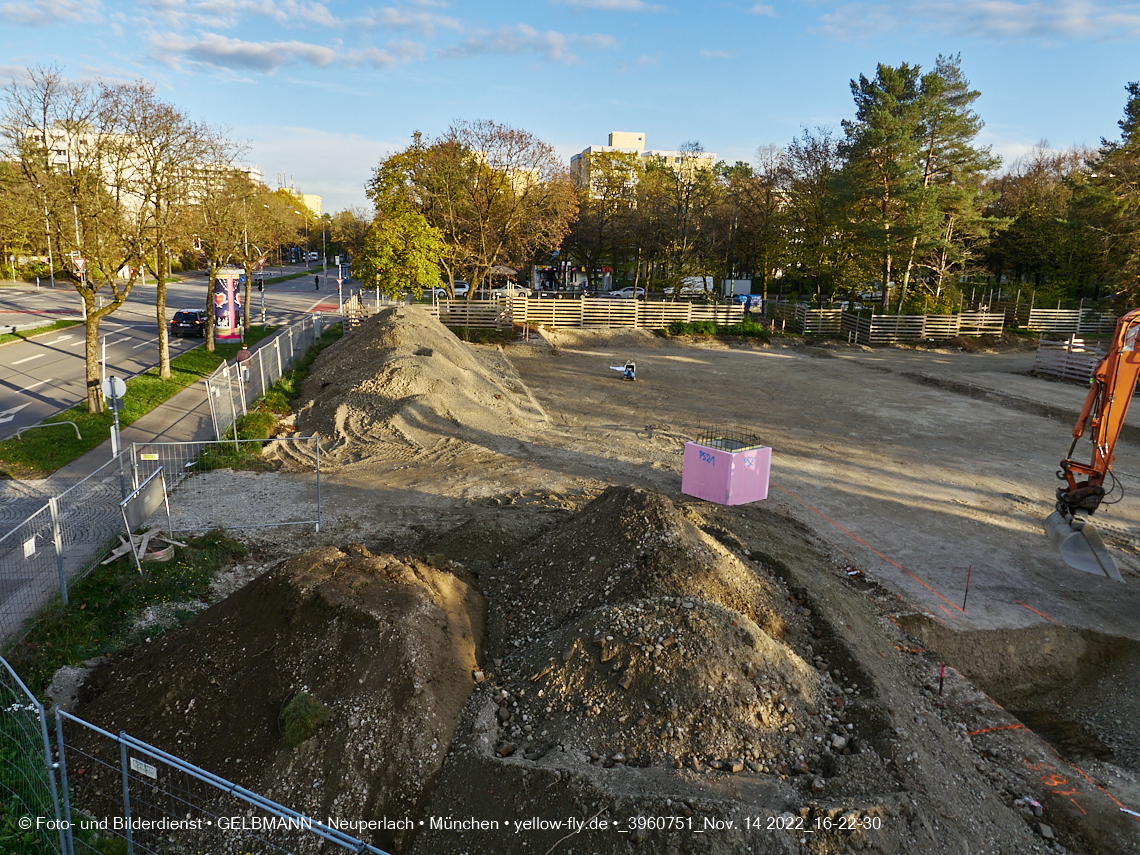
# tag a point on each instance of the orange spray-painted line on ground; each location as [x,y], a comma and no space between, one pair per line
[858,540]
[1081,809]
[1103,790]
[1036,612]
[910,649]
[993,729]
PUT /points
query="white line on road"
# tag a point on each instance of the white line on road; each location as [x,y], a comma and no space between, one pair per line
[34,385]
[141,343]
[29,359]
[77,341]
[61,338]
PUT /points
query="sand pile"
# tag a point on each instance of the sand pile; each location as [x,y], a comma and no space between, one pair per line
[388,646]
[402,385]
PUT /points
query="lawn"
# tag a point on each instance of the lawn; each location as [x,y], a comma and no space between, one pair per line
[40,452]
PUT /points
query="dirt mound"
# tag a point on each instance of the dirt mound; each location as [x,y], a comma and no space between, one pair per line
[628,544]
[402,385]
[659,680]
[387,645]
[574,339]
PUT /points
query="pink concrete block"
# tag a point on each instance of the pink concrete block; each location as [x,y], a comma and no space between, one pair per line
[726,477]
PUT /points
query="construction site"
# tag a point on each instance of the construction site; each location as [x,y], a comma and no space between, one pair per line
[525,637]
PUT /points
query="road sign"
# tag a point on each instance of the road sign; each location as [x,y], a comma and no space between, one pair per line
[79,263]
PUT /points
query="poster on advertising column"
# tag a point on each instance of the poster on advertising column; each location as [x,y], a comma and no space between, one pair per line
[227,304]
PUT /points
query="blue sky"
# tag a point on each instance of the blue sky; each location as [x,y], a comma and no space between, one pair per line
[321,91]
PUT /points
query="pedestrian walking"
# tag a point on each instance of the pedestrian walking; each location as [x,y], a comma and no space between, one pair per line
[317,282]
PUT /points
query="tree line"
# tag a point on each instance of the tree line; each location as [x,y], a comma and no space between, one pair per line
[901,204]
[110,184]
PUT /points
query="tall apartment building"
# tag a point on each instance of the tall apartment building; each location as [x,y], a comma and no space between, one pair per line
[632,142]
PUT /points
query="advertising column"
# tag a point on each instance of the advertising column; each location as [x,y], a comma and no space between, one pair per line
[227,304]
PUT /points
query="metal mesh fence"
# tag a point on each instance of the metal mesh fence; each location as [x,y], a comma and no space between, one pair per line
[121,787]
[28,794]
[64,538]
[234,386]
[200,480]
[60,541]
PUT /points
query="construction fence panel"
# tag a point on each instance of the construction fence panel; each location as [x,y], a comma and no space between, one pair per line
[60,542]
[233,387]
[127,795]
[27,782]
[200,475]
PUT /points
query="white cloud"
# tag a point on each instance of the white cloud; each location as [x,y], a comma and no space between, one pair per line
[987,19]
[764,10]
[223,52]
[610,5]
[224,14]
[39,12]
[717,54]
[425,23]
[524,39]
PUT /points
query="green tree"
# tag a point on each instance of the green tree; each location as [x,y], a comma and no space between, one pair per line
[948,220]
[1112,200]
[825,251]
[881,171]
[401,253]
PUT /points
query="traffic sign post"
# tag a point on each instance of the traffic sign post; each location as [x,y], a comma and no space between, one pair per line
[113,390]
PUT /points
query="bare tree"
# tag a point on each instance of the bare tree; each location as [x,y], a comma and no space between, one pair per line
[166,151]
[68,139]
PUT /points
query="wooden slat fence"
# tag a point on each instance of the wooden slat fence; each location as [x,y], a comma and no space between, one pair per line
[1072,321]
[1070,359]
[886,329]
[582,312]
[480,314]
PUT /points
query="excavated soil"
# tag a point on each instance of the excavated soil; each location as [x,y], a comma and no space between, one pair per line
[537,627]
[389,645]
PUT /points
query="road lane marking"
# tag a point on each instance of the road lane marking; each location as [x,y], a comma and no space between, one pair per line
[141,343]
[29,359]
[34,385]
[58,340]
[77,341]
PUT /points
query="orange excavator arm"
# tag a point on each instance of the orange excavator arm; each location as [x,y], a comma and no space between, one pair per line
[1113,383]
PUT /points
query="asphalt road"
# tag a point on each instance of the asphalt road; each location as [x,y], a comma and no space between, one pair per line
[41,377]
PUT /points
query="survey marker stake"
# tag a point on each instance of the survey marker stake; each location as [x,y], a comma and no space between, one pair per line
[967,587]
[941,679]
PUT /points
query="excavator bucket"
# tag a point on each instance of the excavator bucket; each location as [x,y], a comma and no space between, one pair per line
[1080,546]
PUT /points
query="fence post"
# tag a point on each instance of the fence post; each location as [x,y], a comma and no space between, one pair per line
[233,409]
[213,411]
[126,793]
[57,537]
[277,349]
[318,482]
[69,844]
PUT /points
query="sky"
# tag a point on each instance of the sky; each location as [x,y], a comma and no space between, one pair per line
[320,92]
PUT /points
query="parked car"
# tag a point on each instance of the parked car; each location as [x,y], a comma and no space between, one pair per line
[461,288]
[188,323]
[511,290]
[313,256]
[626,293]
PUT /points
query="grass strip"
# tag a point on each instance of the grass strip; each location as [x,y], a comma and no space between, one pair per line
[261,420]
[746,328]
[101,617]
[289,276]
[41,452]
[24,335]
